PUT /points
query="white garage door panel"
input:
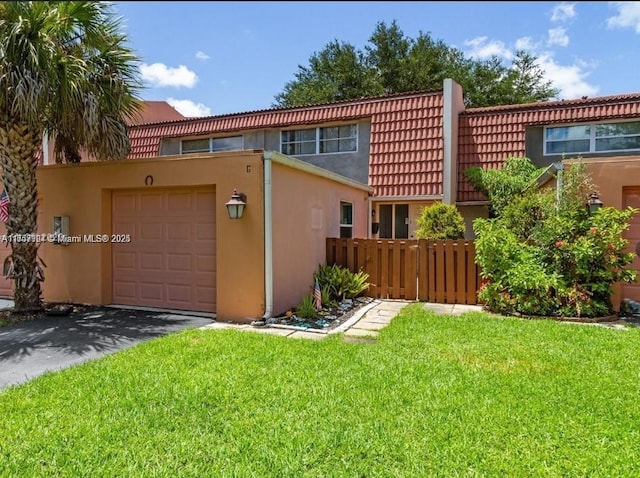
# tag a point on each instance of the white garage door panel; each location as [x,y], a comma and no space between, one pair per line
[170,261]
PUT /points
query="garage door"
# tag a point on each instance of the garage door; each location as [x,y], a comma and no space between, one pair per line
[631,197]
[170,259]
[6,286]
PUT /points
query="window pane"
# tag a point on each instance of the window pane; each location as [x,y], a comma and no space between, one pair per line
[330,133]
[567,132]
[330,146]
[299,135]
[348,144]
[348,131]
[346,232]
[617,144]
[386,221]
[299,141]
[293,149]
[227,144]
[338,145]
[346,213]
[617,129]
[401,221]
[195,145]
[559,147]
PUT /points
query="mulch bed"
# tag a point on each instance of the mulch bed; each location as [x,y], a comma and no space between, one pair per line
[328,318]
[9,316]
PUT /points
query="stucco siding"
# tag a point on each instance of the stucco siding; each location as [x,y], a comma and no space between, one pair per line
[82,272]
[306,211]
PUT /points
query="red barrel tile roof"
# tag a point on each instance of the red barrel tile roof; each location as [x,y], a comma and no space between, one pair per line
[406,151]
[487,136]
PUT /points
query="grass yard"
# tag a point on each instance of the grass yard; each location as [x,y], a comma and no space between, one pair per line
[435,396]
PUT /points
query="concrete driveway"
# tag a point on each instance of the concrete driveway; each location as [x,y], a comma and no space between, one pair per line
[32,348]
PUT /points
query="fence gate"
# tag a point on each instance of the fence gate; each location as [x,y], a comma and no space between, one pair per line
[412,269]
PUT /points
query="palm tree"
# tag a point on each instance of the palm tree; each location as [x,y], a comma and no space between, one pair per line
[66,72]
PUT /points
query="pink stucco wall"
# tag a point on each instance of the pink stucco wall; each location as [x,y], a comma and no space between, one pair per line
[306,210]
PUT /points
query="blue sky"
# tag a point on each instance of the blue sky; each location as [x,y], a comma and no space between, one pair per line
[208,58]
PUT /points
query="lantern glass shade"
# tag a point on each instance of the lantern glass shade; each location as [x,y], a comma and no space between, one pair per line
[594,203]
[236,205]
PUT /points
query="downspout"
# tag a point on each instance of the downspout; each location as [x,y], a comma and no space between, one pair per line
[268,238]
[369,217]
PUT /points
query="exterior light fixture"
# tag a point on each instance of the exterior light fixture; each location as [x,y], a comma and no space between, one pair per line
[236,205]
[594,203]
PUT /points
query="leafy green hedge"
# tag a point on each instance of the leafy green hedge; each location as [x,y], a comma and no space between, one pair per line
[542,257]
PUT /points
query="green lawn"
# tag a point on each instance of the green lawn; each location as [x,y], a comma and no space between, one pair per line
[435,396]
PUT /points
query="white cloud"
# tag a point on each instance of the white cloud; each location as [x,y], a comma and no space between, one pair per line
[481,48]
[569,79]
[189,108]
[628,16]
[159,74]
[200,55]
[525,43]
[558,36]
[563,12]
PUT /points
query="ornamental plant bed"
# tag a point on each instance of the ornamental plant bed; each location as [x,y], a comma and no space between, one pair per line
[10,316]
[327,319]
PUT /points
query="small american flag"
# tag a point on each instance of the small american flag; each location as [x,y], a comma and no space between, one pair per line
[317,296]
[4,206]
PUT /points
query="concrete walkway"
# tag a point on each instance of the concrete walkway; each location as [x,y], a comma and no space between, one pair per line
[366,323]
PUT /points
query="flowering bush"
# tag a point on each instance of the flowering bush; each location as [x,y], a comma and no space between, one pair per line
[564,263]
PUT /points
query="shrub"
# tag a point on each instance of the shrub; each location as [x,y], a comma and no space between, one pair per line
[440,221]
[326,298]
[542,258]
[502,185]
[307,309]
[340,283]
[515,280]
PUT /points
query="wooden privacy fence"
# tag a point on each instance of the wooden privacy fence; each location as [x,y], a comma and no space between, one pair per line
[412,269]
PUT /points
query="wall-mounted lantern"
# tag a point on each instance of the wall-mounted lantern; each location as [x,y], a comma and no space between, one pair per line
[236,205]
[594,203]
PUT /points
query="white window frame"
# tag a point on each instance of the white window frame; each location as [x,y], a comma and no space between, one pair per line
[342,203]
[318,141]
[592,138]
[210,150]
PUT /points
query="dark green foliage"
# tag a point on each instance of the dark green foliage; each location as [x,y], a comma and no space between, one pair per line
[394,63]
[306,309]
[543,258]
[440,221]
[340,283]
[502,185]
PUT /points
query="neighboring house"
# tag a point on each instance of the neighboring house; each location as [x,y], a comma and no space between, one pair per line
[604,132]
[155,111]
[150,112]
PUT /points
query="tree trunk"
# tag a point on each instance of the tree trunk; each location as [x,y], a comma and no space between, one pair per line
[19,145]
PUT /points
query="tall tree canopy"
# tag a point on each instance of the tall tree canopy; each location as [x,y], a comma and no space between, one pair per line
[393,63]
[65,71]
